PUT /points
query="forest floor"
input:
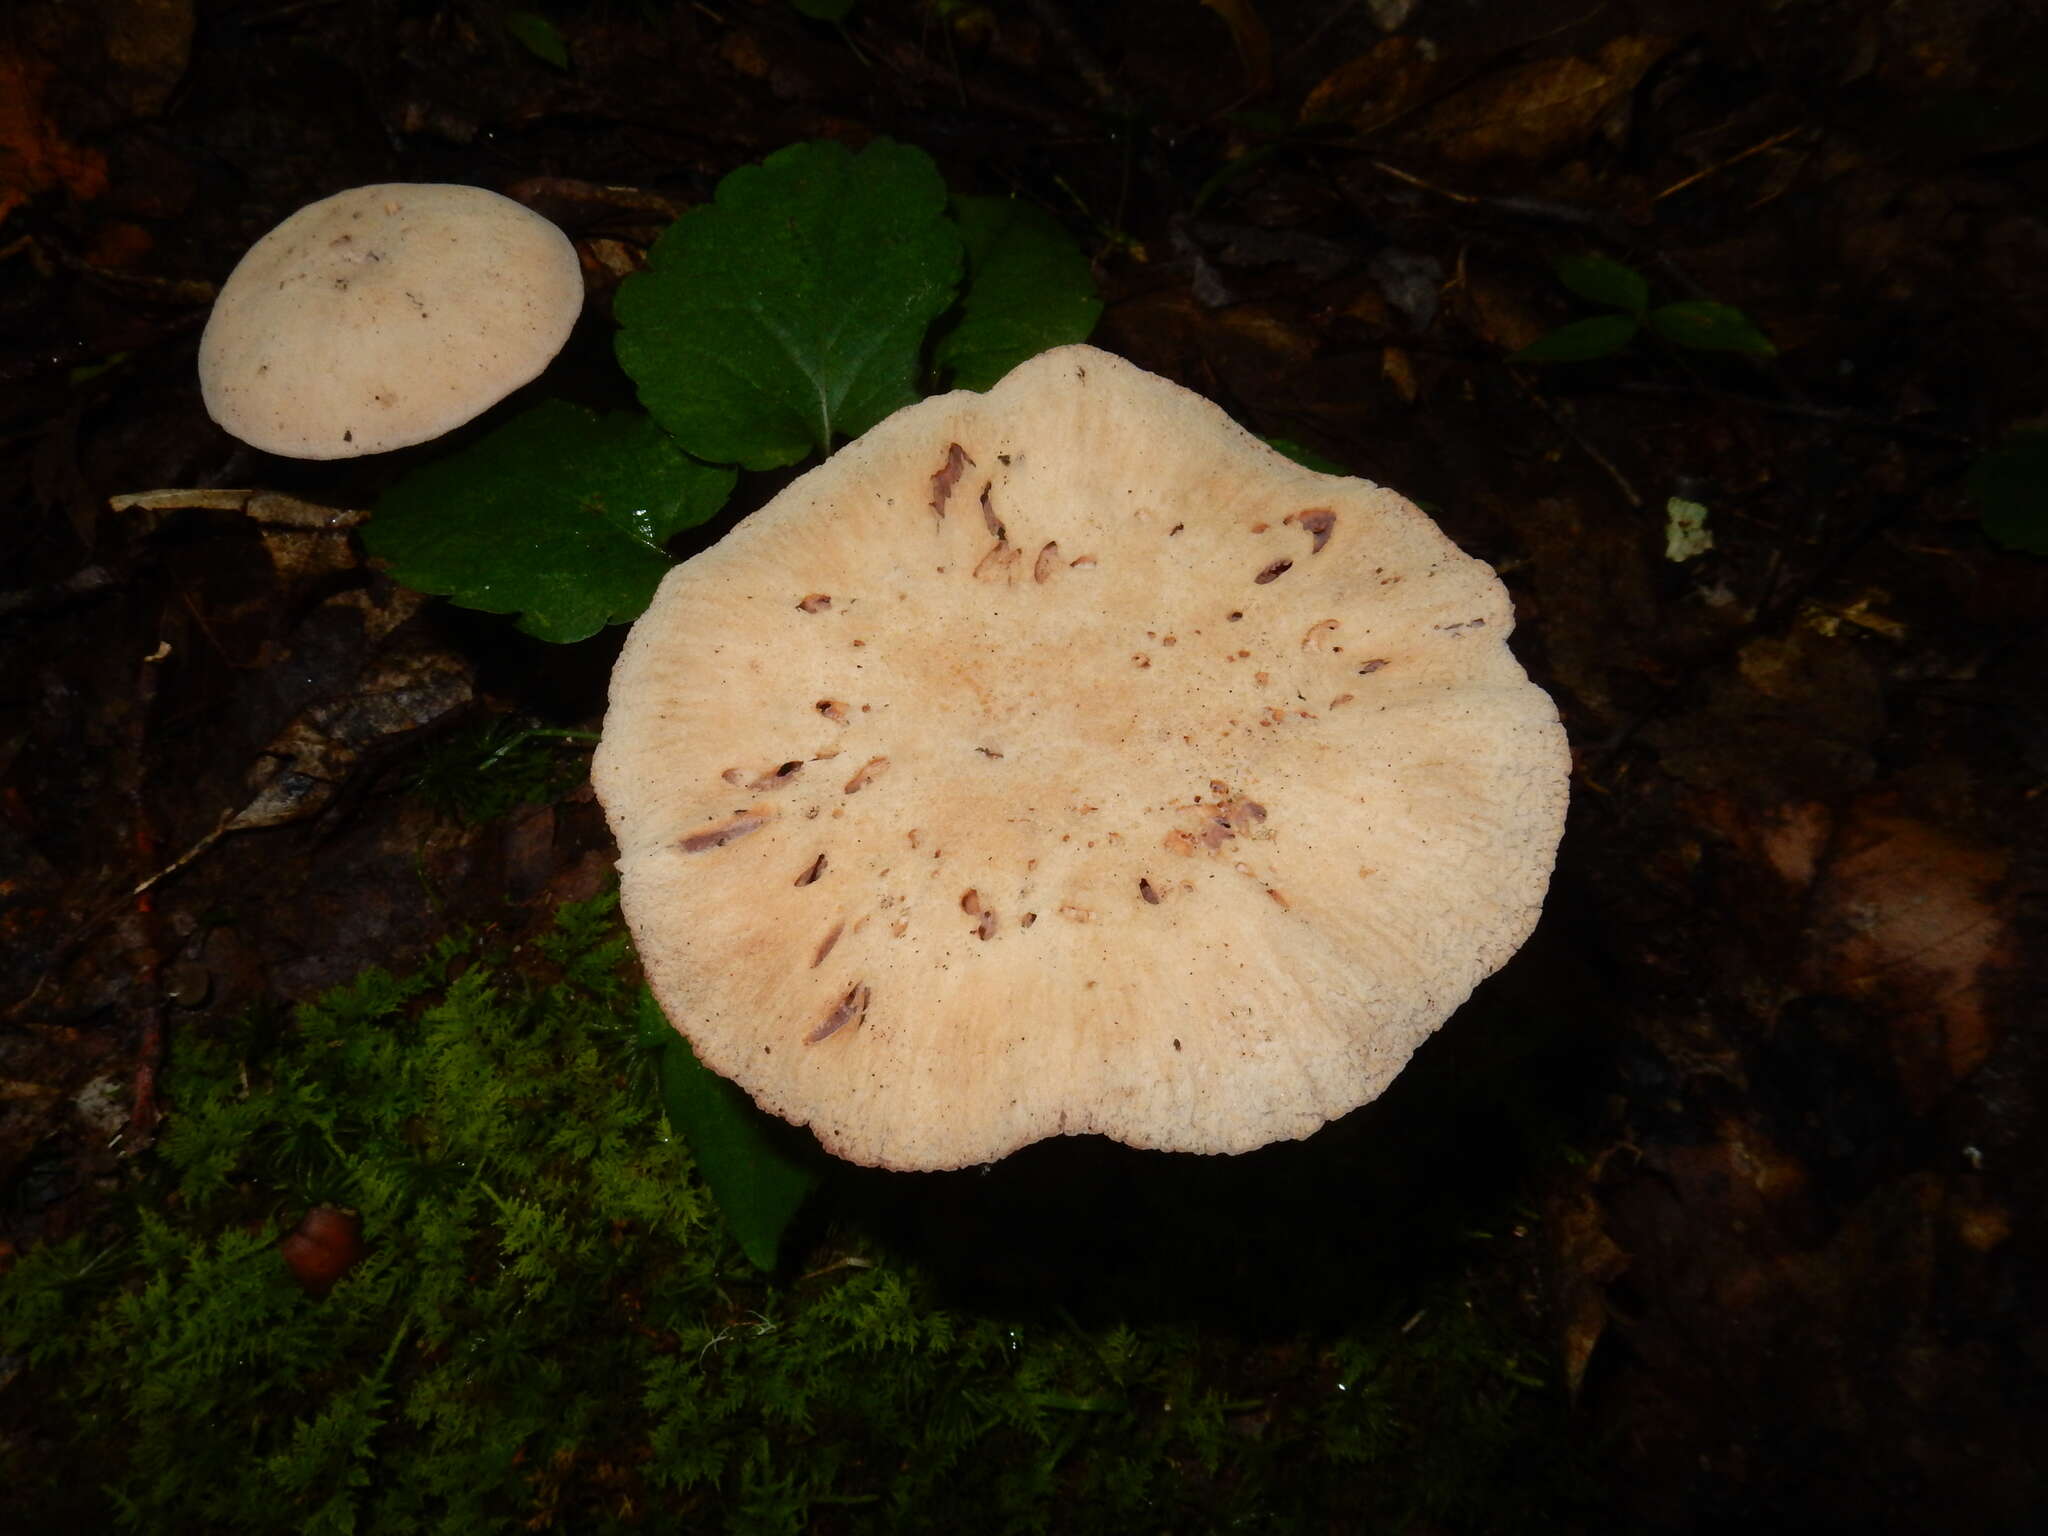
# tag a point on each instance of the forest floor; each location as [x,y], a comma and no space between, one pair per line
[1786,1001]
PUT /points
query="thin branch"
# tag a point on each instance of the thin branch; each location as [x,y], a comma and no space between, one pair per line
[1562,421]
[1736,159]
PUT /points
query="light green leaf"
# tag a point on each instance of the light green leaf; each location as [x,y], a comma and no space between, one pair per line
[758,1168]
[1709,327]
[1599,280]
[558,516]
[539,36]
[1028,288]
[2010,488]
[1581,341]
[792,308]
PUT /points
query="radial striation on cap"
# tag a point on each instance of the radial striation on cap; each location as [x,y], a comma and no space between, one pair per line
[385,316]
[1062,759]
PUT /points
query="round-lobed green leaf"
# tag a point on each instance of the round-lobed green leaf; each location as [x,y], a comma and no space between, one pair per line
[1029,288]
[558,516]
[792,308]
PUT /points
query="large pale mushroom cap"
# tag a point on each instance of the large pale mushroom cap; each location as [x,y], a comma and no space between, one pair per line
[1063,759]
[385,316]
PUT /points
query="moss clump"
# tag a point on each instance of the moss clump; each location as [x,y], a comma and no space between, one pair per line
[551,1327]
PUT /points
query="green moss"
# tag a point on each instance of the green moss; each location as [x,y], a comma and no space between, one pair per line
[552,1328]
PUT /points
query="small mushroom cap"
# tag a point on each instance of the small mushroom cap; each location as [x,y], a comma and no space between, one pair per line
[385,316]
[1062,759]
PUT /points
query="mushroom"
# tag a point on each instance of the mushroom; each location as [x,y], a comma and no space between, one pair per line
[385,316]
[1176,792]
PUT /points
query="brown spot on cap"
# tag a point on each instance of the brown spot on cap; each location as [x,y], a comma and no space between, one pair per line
[850,1009]
[865,774]
[1317,523]
[777,777]
[730,830]
[946,476]
[999,564]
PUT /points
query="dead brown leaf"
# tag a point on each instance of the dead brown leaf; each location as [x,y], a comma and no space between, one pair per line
[743,51]
[1398,369]
[149,44]
[1983,1226]
[1911,921]
[1254,45]
[35,157]
[1541,109]
[1498,312]
[1391,78]
[1241,347]
[1270,328]
[1792,837]
[1586,1260]
[129,54]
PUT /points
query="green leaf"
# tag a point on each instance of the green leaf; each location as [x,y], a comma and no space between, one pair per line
[558,516]
[794,306]
[1709,327]
[1599,280]
[824,10]
[2010,488]
[539,36]
[1307,458]
[758,1168]
[1581,341]
[1028,288]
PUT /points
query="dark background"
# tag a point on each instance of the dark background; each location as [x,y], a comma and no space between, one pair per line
[1785,1006]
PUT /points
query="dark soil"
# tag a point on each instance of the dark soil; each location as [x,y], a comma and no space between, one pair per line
[1790,982]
